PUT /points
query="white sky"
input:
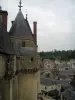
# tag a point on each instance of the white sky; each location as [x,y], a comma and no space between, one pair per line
[55,18]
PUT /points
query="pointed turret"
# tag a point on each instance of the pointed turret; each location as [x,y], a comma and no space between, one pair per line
[20,27]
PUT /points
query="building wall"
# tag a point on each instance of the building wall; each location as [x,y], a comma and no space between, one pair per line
[2,65]
[6,94]
[4,83]
[28,84]
[38,82]
[27,87]
[17,43]
[15,88]
[26,62]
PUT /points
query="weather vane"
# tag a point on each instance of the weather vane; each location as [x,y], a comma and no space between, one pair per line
[26,13]
[20,6]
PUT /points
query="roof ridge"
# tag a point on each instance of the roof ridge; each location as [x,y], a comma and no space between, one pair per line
[29,27]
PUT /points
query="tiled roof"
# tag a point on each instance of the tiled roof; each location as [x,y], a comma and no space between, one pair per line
[21,28]
[67,72]
[47,81]
[5,43]
[27,51]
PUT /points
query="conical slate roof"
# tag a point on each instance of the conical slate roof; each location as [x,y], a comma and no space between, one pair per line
[5,43]
[21,28]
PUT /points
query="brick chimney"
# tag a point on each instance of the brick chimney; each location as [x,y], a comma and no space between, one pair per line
[4,17]
[35,32]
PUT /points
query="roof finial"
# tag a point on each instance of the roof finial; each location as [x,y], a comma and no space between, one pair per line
[20,6]
[26,14]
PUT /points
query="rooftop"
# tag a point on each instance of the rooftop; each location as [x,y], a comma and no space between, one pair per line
[5,43]
[21,28]
[48,82]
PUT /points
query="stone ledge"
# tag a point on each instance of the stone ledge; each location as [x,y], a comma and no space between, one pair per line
[26,71]
[9,76]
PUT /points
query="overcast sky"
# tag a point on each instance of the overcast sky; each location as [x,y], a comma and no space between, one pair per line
[55,18]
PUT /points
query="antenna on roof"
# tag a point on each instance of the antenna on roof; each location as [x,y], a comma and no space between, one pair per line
[20,6]
[26,13]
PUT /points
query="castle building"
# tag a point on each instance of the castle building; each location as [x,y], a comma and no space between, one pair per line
[19,70]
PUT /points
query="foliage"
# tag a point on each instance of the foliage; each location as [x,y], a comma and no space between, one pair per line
[47,75]
[54,94]
[60,55]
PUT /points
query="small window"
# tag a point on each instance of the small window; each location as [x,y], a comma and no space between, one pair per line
[23,44]
[31,59]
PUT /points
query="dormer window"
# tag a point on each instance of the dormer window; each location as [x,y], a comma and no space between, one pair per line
[23,43]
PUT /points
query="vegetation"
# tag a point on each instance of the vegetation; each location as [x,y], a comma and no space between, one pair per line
[54,94]
[60,55]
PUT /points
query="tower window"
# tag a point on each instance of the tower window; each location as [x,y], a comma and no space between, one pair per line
[31,59]
[23,43]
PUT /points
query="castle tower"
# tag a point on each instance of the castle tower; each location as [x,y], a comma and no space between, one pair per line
[25,84]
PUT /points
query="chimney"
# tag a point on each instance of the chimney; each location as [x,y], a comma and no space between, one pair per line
[4,17]
[35,32]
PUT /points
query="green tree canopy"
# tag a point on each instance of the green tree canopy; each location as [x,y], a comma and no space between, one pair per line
[60,55]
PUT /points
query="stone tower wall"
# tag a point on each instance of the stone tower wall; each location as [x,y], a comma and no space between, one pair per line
[27,87]
[2,66]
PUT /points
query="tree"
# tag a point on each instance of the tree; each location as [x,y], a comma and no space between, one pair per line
[47,75]
[54,94]
[60,55]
